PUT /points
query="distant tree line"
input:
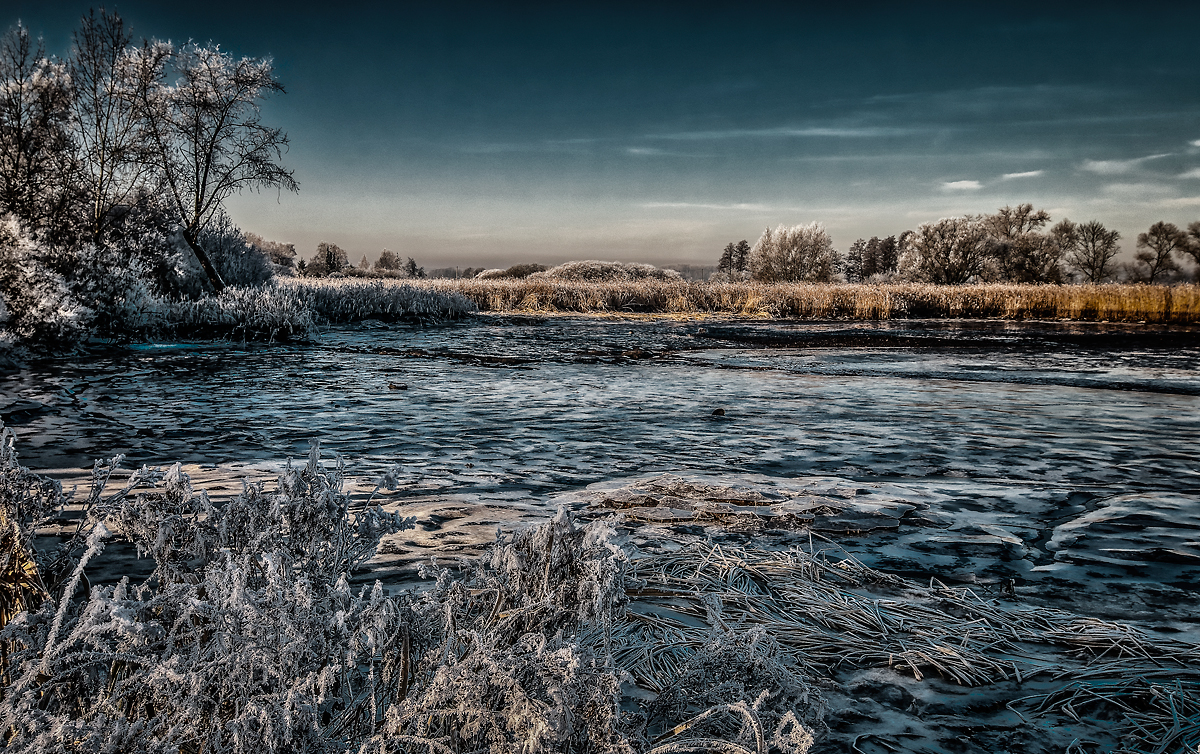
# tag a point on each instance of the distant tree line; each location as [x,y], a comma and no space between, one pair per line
[331,260]
[1013,245]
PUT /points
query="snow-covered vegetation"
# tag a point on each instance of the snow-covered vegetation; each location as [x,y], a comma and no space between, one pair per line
[251,634]
[248,636]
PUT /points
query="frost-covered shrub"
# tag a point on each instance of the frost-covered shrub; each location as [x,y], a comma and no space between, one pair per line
[592,270]
[246,638]
[42,309]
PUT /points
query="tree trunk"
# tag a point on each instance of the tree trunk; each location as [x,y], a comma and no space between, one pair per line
[214,279]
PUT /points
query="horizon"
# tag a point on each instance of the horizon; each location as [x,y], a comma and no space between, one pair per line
[473,136]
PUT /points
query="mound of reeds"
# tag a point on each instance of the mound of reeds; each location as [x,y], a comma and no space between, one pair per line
[1115,303]
[595,271]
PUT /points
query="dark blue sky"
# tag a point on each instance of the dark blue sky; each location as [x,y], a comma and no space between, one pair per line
[484,135]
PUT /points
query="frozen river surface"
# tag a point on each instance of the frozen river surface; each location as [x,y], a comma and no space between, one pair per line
[1062,458]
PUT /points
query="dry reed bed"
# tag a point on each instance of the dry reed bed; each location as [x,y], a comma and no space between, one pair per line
[351,300]
[292,308]
[1117,303]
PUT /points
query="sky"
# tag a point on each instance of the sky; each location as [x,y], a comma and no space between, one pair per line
[490,135]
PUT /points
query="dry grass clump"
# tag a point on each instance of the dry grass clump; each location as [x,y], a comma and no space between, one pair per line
[1116,303]
[826,612]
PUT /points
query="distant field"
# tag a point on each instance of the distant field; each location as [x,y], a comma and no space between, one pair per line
[1117,303]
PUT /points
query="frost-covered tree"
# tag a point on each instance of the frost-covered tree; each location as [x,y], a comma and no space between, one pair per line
[950,251]
[1153,258]
[388,260]
[797,253]
[412,270]
[741,257]
[725,263]
[735,260]
[1090,248]
[328,259]
[36,162]
[199,115]
[280,254]
[111,158]
[865,259]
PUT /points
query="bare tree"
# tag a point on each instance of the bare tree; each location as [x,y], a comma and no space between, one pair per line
[1019,252]
[951,251]
[1155,246]
[113,165]
[1090,248]
[1192,246]
[205,133]
[35,152]
[798,253]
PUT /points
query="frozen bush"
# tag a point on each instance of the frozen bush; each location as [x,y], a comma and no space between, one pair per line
[240,263]
[42,309]
[592,270]
[516,272]
[247,636]
[797,253]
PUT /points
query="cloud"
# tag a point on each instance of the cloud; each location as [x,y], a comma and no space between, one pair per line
[1196,143]
[691,205]
[1193,173]
[962,185]
[1026,174]
[1117,167]
[1183,201]
[837,132]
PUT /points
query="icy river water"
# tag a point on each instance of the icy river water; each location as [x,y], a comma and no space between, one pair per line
[1059,460]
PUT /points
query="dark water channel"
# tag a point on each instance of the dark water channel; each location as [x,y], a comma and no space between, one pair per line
[1080,442]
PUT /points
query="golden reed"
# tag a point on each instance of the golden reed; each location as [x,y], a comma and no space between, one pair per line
[1115,303]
